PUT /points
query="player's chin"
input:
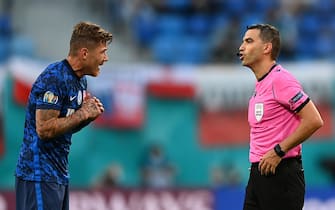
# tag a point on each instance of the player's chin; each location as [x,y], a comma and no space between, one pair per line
[96,72]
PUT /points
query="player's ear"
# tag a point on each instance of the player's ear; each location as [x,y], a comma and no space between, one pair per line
[84,53]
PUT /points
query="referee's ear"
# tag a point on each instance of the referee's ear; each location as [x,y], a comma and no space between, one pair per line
[267,48]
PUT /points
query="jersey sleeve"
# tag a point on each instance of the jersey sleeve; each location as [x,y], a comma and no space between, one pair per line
[49,93]
[289,92]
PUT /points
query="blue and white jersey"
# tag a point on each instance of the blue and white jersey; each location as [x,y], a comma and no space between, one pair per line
[56,88]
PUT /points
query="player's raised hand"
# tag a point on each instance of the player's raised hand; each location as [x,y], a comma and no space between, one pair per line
[100,105]
[92,107]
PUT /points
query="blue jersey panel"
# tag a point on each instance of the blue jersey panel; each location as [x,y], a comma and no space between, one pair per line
[56,88]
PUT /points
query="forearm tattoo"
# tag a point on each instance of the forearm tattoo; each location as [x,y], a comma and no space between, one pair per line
[49,125]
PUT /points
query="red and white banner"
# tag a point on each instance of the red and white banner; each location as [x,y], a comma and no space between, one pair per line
[24,72]
[122,91]
[173,83]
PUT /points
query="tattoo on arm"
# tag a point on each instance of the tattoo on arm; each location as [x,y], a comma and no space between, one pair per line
[49,125]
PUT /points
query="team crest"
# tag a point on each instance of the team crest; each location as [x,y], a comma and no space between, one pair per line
[80,97]
[50,97]
[259,111]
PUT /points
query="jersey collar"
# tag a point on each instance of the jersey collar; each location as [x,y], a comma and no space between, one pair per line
[67,64]
[272,67]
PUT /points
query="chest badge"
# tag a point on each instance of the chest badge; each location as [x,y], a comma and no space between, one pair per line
[259,111]
[80,98]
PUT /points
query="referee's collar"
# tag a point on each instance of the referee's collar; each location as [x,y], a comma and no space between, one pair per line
[272,67]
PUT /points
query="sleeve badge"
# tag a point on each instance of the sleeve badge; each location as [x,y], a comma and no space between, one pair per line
[50,97]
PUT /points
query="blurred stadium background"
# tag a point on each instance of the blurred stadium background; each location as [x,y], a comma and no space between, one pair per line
[172,81]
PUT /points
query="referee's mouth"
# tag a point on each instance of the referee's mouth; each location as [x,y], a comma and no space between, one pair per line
[240,55]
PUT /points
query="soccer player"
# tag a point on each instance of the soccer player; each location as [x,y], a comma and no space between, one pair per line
[58,106]
[281,117]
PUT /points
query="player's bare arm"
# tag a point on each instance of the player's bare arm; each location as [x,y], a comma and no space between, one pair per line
[49,125]
[310,122]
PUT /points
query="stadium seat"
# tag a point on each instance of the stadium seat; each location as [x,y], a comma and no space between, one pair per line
[5,25]
[23,46]
[260,6]
[309,24]
[234,7]
[144,28]
[199,25]
[4,49]
[165,49]
[171,24]
[193,50]
[177,4]
[306,48]
[220,21]
[249,19]
[331,24]
[325,46]
[325,7]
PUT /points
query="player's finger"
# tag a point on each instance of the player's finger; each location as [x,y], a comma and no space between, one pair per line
[87,96]
[100,104]
[96,99]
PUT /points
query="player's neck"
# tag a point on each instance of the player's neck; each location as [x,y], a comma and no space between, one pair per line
[75,65]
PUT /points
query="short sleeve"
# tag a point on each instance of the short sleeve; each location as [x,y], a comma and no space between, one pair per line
[289,92]
[47,90]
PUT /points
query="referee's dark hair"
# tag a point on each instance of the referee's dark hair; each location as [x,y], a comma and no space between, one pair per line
[269,33]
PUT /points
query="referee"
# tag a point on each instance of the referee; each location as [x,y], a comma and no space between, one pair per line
[281,117]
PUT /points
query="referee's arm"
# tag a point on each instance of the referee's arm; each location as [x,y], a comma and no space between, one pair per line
[310,121]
